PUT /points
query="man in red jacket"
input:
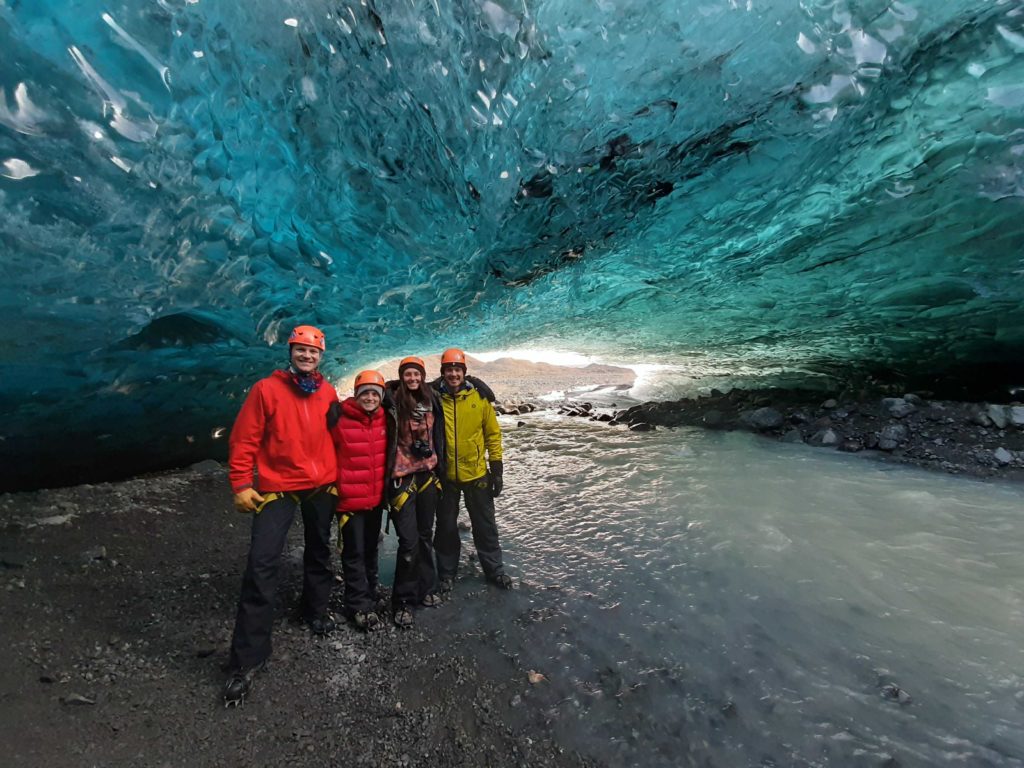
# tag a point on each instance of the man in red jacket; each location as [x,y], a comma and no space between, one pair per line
[281,458]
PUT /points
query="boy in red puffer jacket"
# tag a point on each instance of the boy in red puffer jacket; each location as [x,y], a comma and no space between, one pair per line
[358,427]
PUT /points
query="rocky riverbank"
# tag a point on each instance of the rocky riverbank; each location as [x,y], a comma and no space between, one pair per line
[118,603]
[976,439]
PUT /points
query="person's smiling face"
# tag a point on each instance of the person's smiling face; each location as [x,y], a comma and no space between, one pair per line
[368,400]
[412,378]
[305,358]
[454,375]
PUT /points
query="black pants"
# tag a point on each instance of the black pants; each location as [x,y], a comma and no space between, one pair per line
[250,644]
[414,563]
[360,538]
[480,505]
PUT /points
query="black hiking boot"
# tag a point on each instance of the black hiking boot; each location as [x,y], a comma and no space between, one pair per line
[322,625]
[238,685]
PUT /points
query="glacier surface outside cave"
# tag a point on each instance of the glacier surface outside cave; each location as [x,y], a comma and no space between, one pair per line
[808,188]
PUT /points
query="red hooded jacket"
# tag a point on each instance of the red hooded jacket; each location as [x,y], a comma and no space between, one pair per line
[361,445]
[281,436]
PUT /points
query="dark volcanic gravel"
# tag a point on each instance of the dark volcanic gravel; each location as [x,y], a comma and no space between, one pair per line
[976,439]
[118,603]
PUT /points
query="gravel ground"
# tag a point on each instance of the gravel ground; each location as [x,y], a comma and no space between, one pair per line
[118,603]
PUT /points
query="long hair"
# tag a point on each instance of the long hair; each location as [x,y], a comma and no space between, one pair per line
[407,399]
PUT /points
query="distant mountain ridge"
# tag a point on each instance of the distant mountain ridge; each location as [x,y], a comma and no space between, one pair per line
[511,378]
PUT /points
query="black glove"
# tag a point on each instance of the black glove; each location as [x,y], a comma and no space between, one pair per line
[333,414]
[496,482]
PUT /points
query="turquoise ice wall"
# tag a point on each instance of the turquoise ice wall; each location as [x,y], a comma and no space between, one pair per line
[817,187]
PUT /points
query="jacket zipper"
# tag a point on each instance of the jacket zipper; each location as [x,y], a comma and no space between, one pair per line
[312,461]
[455,434]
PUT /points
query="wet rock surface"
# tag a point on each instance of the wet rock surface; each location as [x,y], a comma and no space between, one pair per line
[975,439]
[118,617]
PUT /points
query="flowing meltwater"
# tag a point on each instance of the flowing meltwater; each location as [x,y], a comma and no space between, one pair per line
[701,598]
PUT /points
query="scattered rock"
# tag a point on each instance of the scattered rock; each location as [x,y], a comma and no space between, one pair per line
[93,554]
[997,414]
[893,692]
[976,416]
[762,418]
[897,407]
[1002,456]
[54,520]
[825,437]
[642,426]
[891,436]
[77,699]
[792,436]
[950,436]
[1017,415]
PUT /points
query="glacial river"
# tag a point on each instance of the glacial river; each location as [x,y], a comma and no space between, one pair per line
[700,598]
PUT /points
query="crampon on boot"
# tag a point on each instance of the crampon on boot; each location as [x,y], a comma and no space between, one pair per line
[238,685]
[368,621]
[502,580]
[403,617]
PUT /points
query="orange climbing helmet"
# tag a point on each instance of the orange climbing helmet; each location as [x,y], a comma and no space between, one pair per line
[369,380]
[453,356]
[412,362]
[308,335]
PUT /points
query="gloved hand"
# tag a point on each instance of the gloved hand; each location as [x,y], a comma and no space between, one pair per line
[247,499]
[496,481]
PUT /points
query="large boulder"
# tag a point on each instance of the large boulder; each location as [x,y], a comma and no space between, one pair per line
[1017,415]
[762,419]
[998,415]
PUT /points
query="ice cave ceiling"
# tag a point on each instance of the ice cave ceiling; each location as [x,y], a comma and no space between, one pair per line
[816,186]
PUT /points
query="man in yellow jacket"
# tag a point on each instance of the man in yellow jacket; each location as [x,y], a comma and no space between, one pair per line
[474,470]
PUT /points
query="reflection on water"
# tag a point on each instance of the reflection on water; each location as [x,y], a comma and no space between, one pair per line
[714,599]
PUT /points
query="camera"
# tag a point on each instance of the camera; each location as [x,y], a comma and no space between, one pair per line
[421,449]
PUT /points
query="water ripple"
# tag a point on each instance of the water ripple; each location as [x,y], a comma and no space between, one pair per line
[711,599]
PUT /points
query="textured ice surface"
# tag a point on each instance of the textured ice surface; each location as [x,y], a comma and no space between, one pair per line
[787,186]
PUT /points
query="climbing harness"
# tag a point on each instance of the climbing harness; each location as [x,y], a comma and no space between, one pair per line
[294,496]
[406,488]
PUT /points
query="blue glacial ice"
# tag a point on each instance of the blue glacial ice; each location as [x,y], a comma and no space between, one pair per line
[818,187]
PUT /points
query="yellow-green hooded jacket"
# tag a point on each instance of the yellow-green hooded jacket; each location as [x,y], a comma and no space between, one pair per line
[471,432]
